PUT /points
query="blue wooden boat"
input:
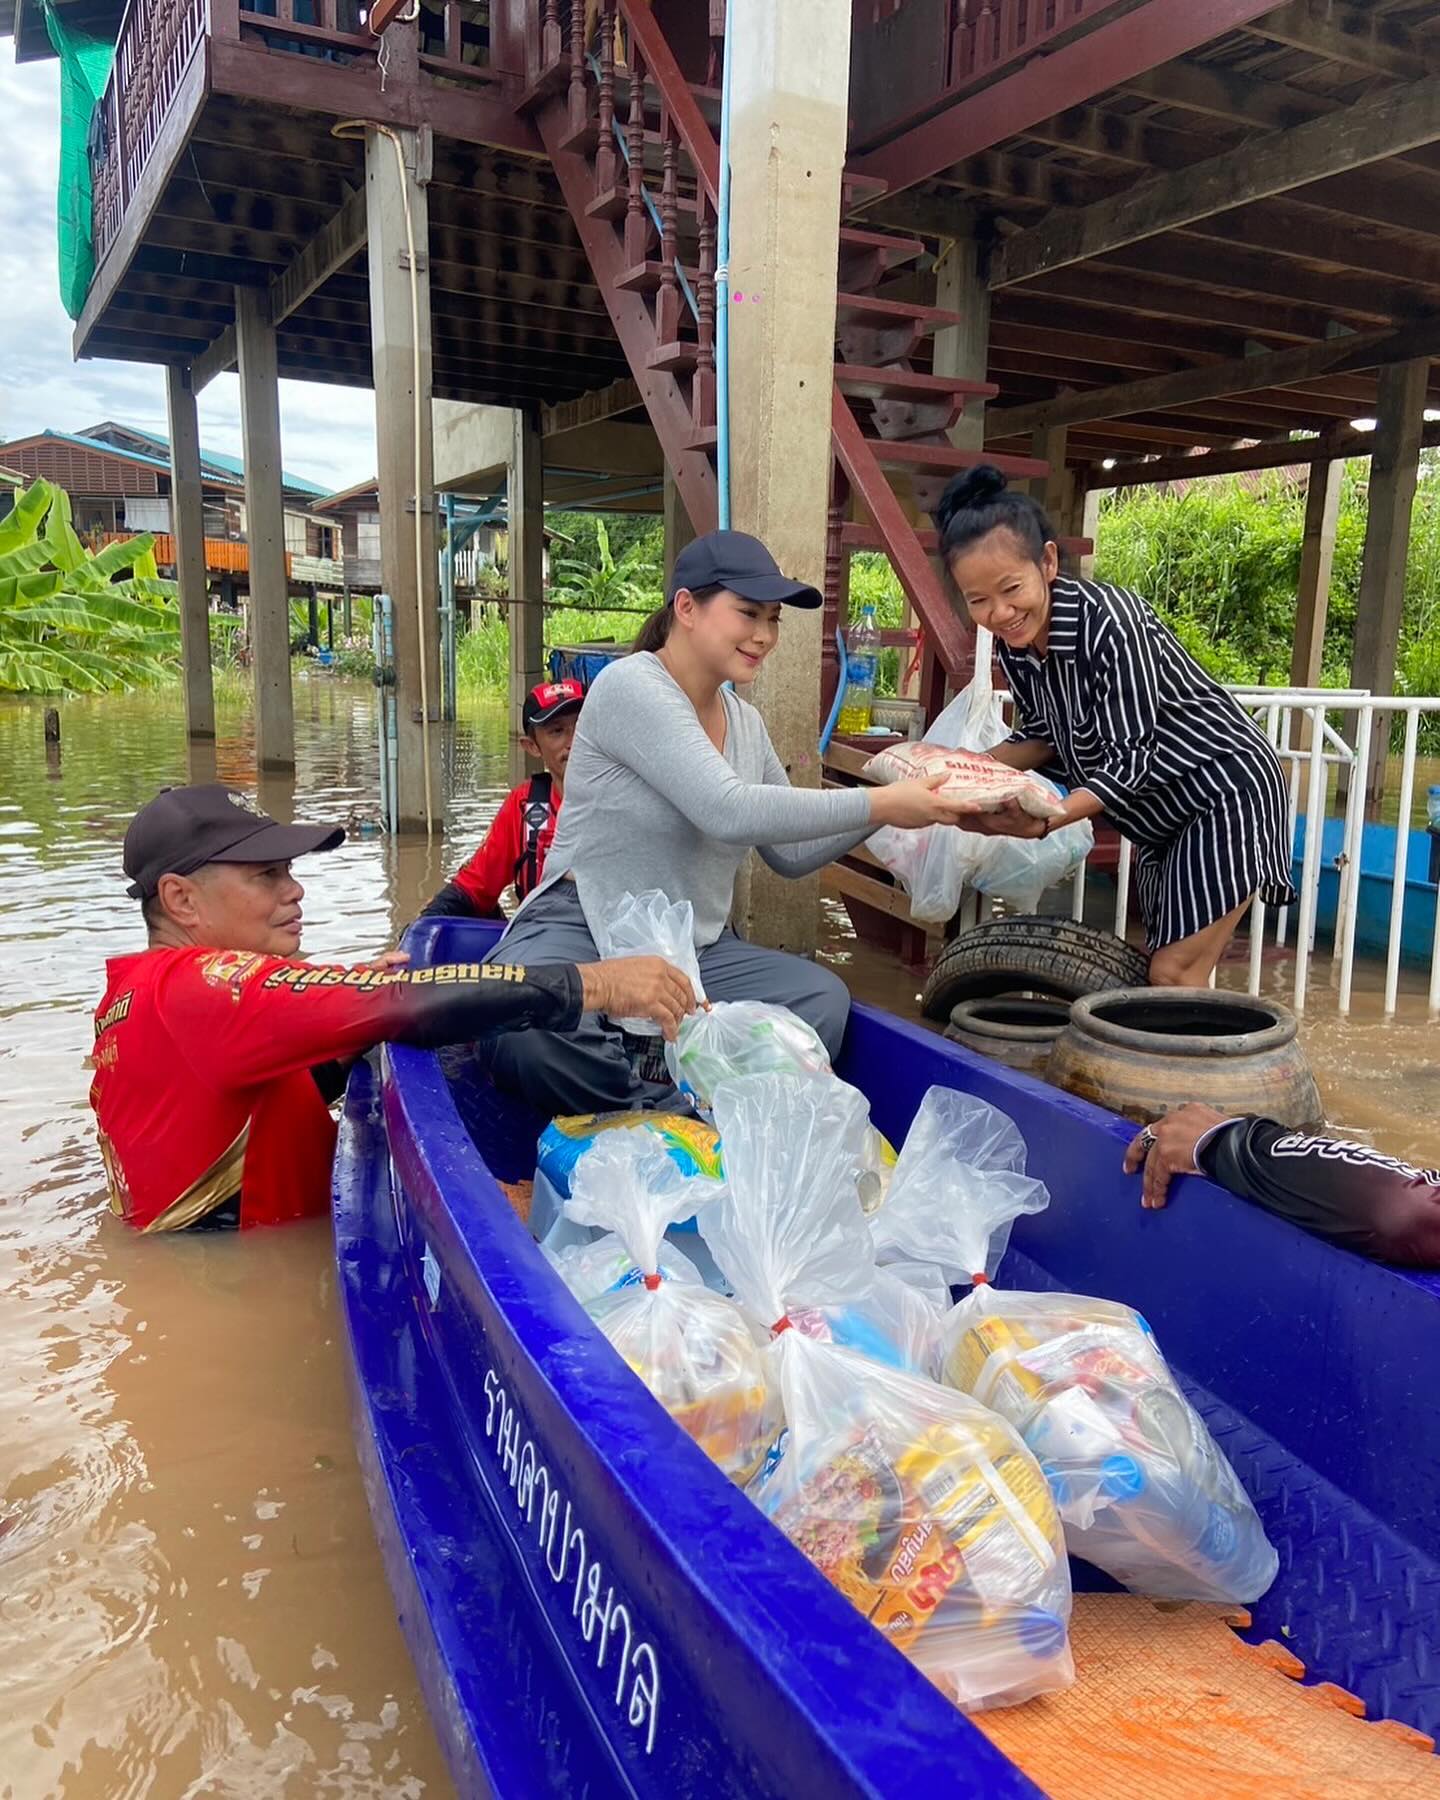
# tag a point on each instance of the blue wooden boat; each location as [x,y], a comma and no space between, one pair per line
[1377,888]
[594,1610]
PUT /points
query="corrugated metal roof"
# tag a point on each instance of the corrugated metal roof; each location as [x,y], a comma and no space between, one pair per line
[223,466]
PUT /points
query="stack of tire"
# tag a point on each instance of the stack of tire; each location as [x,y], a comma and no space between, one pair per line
[1006,987]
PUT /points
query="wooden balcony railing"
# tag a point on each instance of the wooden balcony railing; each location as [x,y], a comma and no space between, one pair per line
[948,48]
[159,38]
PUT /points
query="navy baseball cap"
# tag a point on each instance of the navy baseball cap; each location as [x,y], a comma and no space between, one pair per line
[183,828]
[735,560]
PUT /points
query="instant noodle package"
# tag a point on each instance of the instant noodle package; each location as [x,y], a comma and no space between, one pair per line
[694,1349]
[922,1506]
[1144,1491]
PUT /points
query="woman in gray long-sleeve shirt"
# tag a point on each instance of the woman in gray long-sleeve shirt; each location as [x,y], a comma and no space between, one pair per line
[672,780]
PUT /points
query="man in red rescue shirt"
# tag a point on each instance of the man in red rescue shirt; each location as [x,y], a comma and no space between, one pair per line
[514,849]
[216,1047]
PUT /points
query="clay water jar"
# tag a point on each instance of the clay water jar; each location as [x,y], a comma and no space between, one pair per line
[1144,1051]
[1019,1033]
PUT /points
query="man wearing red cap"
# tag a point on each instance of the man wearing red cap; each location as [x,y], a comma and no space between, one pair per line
[218,1048]
[513,852]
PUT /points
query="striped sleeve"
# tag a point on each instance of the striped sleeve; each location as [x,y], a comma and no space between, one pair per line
[1127,702]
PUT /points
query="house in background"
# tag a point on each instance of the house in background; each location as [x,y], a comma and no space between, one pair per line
[119,481]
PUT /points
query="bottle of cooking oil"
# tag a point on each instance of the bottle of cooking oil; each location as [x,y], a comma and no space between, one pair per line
[862,653]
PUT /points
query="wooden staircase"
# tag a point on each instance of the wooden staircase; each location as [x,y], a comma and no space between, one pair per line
[636,157]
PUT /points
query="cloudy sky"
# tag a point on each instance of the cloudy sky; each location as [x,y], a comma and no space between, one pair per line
[328,432]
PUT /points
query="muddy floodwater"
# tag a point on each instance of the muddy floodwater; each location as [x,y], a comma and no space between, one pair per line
[191,1602]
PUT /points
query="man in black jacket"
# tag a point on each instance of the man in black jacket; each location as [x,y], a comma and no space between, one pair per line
[1348,1193]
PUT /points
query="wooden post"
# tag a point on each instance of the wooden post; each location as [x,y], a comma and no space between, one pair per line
[1053,491]
[678,529]
[527,562]
[1394,470]
[399,301]
[963,351]
[790,93]
[265,532]
[187,522]
[1089,528]
[1312,593]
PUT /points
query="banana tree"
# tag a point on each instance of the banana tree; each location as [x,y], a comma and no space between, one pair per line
[73,621]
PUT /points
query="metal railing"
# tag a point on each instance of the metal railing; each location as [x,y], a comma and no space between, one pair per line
[1301,725]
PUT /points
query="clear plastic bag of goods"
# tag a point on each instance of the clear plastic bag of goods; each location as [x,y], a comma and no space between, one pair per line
[1022,870]
[649,924]
[741,1037]
[923,1507]
[695,1350]
[962,1160]
[600,1265]
[978,781]
[1144,1491]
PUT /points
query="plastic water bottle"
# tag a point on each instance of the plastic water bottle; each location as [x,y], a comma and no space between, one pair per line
[862,653]
[1432,808]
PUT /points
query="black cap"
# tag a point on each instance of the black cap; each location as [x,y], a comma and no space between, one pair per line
[183,828]
[735,560]
[551,700]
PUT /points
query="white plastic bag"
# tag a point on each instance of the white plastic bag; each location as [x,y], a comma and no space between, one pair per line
[962,1164]
[975,718]
[931,1516]
[650,925]
[1021,870]
[694,1349]
[741,1037]
[1144,1491]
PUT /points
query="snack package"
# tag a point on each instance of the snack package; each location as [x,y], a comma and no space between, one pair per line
[694,1349]
[650,925]
[1144,1491]
[921,1506]
[694,1145]
[978,781]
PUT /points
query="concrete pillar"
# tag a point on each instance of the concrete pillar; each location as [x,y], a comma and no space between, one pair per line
[1394,469]
[265,532]
[187,523]
[789,99]
[1312,592]
[678,529]
[399,304]
[527,562]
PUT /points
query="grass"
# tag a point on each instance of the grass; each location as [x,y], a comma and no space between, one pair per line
[483,654]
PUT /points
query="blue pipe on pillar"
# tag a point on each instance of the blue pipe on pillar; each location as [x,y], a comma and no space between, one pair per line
[722,297]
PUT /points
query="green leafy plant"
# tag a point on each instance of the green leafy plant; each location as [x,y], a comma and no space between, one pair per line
[607,581]
[75,621]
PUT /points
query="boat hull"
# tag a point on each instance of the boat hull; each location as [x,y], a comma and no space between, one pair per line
[592,1607]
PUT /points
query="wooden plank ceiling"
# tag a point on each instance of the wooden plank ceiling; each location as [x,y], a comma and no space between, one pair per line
[517,319]
[1358,251]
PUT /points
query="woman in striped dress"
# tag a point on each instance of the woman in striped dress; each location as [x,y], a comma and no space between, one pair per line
[1109,702]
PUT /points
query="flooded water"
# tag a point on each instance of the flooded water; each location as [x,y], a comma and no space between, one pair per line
[191,1602]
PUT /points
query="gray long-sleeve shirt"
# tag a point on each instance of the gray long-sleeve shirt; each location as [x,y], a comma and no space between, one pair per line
[651,803]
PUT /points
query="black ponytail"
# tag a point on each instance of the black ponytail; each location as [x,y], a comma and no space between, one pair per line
[655,632]
[978,500]
[656,629]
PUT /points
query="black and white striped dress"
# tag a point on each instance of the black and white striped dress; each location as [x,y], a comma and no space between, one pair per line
[1181,770]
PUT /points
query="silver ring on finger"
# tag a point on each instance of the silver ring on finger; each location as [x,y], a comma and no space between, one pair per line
[1146,1141]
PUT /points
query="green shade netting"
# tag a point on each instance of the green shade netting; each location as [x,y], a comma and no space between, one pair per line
[84,69]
